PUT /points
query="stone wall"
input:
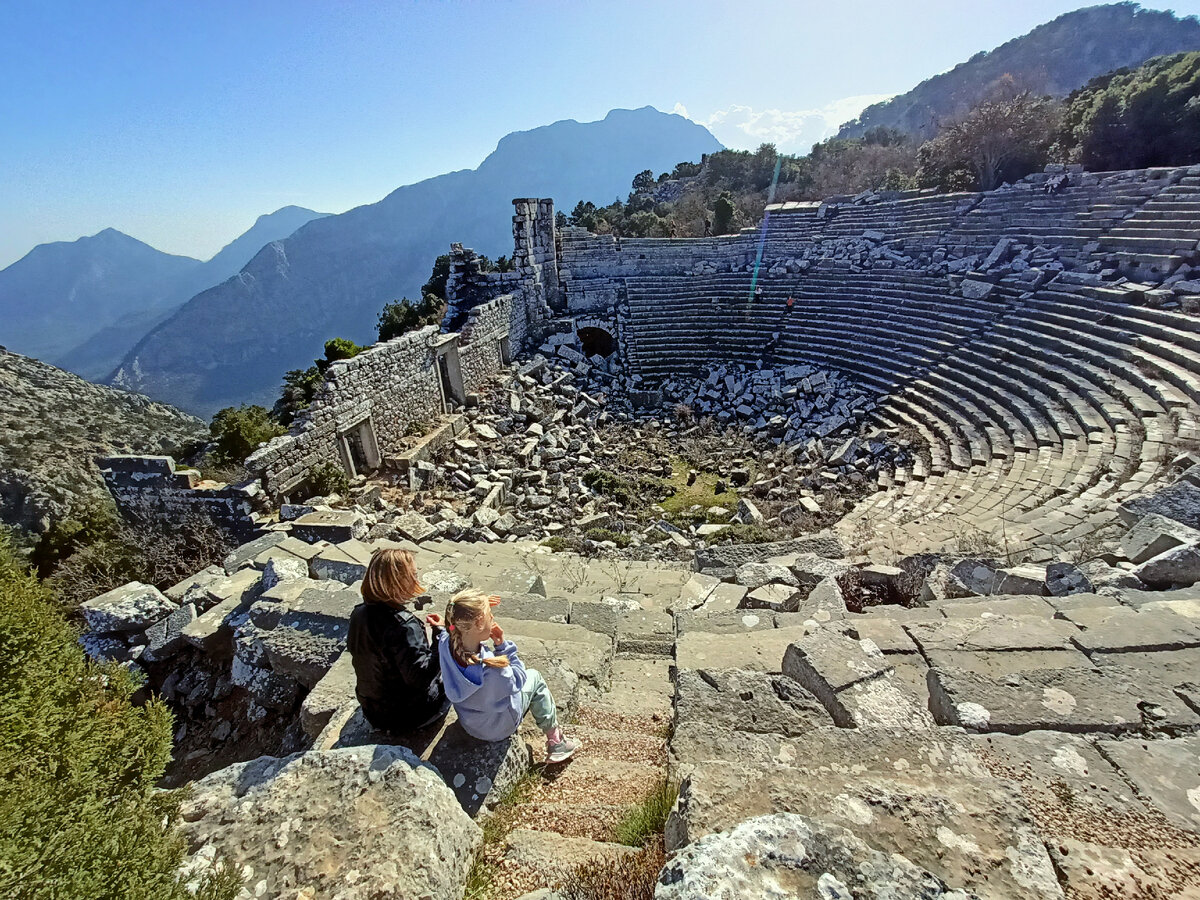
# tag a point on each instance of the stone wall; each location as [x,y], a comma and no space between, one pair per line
[148,486]
[365,406]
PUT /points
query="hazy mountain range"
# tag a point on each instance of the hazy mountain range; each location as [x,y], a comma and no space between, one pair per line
[83,304]
[1054,58]
[232,343]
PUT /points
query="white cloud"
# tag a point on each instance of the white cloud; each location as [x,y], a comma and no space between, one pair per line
[744,128]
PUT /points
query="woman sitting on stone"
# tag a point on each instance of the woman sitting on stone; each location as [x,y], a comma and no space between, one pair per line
[399,675]
[490,688]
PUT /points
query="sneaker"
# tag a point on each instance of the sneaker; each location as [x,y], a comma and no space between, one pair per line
[560,750]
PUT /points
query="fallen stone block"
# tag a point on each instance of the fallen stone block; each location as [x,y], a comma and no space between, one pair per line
[333,525]
[1155,534]
[755,574]
[165,637]
[335,692]
[757,649]
[129,608]
[813,858]
[201,579]
[1179,501]
[1064,579]
[852,680]
[1177,567]
[777,597]
[244,555]
[727,700]
[345,562]
[993,633]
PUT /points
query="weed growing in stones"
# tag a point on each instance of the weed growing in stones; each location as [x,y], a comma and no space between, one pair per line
[647,819]
[630,877]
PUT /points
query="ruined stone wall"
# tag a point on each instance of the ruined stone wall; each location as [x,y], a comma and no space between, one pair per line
[147,486]
[491,328]
[394,384]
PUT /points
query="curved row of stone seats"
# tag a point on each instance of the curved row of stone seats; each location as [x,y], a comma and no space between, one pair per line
[1071,219]
[882,328]
[910,219]
[1062,367]
[1163,233]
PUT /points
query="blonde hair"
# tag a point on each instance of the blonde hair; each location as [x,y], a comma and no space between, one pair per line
[391,578]
[467,607]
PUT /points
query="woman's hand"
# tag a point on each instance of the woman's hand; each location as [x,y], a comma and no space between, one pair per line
[497,633]
[434,620]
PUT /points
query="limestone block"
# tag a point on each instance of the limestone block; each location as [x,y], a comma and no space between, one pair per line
[755,574]
[345,562]
[479,772]
[245,554]
[1175,567]
[1113,700]
[332,804]
[727,700]
[1154,534]
[1118,629]
[165,638]
[1165,772]
[131,607]
[334,525]
[777,597]
[813,858]
[853,681]
[334,693]
[1179,502]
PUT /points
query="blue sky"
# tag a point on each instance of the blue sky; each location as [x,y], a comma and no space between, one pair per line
[180,121]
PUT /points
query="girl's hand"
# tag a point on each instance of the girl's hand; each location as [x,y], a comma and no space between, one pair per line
[497,633]
[433,620]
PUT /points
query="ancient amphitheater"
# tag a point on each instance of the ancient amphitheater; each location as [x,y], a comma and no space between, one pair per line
[845,714]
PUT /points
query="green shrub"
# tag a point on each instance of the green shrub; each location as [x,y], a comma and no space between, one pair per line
[89,523]
[329,478]
[648,818]
[561,543]
[238,430]
[340,348]
[723,213]
[744,534]
[81,819]
[607,534]
[609,484]
[404,315]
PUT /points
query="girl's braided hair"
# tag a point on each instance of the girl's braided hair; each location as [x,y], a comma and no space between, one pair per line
[464,608]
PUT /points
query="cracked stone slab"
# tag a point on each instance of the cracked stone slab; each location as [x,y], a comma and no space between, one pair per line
[974,832]
[760,649]
[993,633]
[1113,700]
[1166,773]
[854,681]
[1123,630]
[729,700]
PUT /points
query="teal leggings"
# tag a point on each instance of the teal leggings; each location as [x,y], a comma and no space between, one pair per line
[535,697]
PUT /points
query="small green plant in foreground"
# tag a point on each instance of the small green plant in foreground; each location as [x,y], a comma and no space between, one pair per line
[629,877]
[496,826]
[648,818]
[81,818]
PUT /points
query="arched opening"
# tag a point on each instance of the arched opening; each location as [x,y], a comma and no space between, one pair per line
[596,342]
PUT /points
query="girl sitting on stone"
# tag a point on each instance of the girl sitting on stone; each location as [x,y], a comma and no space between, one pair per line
[399,677]
[491,689]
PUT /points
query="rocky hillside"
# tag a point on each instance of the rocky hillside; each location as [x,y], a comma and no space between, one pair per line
[232,343]
[53,423]
[1055,58]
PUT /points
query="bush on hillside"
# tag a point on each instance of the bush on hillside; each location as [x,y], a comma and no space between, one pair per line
[81,819]
[404,315]
[152,549]
[238,430]
[1002,139]
[1133,119]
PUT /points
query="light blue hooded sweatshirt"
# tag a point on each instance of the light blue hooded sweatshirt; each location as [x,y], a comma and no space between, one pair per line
[487,699]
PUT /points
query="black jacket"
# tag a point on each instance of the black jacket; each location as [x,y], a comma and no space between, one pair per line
[399,676]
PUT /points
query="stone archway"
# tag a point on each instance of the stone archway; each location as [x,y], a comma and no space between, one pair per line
[596,341]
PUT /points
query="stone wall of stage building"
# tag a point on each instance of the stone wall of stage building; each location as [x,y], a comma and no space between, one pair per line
[148,487]
[391,386]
